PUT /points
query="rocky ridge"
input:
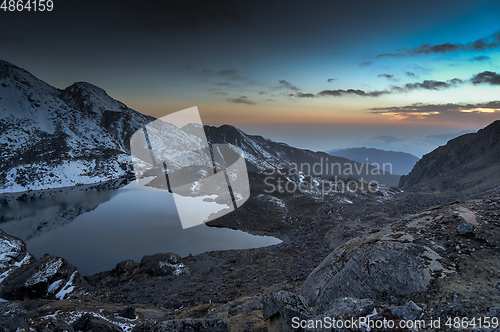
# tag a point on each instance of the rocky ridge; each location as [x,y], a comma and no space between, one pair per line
[466,164]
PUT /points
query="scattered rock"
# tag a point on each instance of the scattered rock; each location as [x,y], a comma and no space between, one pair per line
[281,306]
[245,308]
[13,255]
[95,324]
[147,326]
[205,299]
[14,324]
[57,327]
[128,312]
[161,265]
[127,266]
[410,311]
[192,325]
[252,305]
[348,306]
[466,228]
[49,277]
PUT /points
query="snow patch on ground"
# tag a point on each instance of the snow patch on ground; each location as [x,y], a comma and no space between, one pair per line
[47,270]
[67,288]
[71,316]
[178,268]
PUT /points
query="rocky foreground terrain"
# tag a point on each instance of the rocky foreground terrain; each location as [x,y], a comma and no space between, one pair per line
[381,254]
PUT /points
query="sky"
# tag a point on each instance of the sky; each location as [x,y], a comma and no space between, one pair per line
[398,75]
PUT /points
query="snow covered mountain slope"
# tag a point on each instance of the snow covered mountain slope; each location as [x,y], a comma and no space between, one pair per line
[264,154]
[56,138]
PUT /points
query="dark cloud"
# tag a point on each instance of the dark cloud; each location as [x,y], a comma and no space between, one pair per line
[439,108]
[409,73]
[287,85]
[242,100]
[388,76]
[480,58]
[451,112]
[486,77]
[226,81]
[305,95]
[217,92]
[365,63]
[424,49]
[330,80]
[430,85]
[341,92]
[225,74]
[226,84]
[425,85]
[231,74]
[481,44]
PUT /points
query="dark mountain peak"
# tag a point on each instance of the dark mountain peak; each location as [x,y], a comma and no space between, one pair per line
[468,163]
[491,129]
[86,87]
[225,133]
[229,130]
[88,92]
[91,99]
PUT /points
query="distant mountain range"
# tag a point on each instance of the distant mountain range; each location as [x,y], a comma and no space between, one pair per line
[396,162]
[468,163]
[80,135]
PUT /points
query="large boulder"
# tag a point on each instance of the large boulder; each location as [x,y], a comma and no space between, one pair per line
[95,324]
[282,306]
[369,268]
[166,264]
[410,311]
[13,255]
[350,307]
[49,277]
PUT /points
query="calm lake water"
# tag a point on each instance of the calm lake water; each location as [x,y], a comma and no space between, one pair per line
[95,229]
